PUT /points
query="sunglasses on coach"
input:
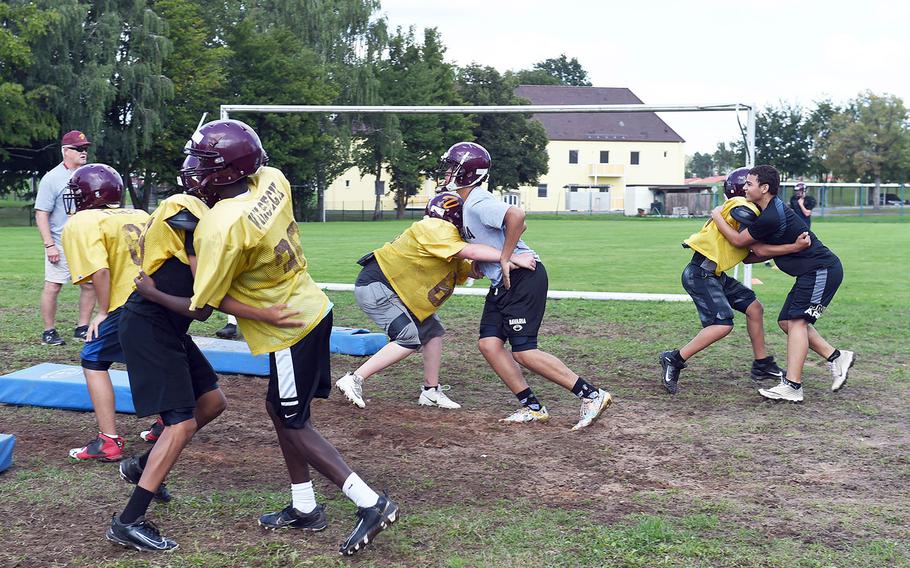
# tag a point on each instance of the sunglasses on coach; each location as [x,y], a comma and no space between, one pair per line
[77,149]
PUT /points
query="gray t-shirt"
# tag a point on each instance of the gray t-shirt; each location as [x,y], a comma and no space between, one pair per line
[50,198]
[483,224]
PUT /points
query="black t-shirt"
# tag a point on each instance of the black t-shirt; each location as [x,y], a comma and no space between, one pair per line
[779,225]
[794,204]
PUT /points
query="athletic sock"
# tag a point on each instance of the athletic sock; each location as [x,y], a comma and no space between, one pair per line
[137,506]
[303,497]
[144,459]
[834,356]
[529,399]
[794,385]
[426,388]
[359,492]
[584,389]
[677,358]
[766,361]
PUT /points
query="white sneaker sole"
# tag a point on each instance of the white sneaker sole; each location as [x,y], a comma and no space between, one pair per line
[350,398]
[422,402]
[775,396]
[837,385]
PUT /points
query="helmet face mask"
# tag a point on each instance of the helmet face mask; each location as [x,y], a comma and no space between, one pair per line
[734,185]
[223,152]
[448,207]
[93,186]
[464,164]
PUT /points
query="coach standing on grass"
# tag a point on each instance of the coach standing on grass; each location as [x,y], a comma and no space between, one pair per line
[50,216]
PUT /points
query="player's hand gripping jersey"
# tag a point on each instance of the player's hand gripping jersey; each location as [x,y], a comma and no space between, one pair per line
[249,247]
[711,243]
[94,239]
[421,266]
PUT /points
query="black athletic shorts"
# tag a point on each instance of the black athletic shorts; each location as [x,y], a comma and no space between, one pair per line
[518,311]
[715,296]
[812,293]
[301,373]
[167,371]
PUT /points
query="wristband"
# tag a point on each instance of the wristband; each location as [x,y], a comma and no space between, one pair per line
[50,245]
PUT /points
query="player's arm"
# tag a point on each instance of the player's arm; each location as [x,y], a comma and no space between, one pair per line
[145,285]
[101,279]
[763,251]
[802,205]
[486,253]
[740,239]
[278,315]
[513,225]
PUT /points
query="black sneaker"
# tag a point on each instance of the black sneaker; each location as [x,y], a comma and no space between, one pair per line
[131,472]
[51,337]
[291,518]
[671,371]
[141,535]
[229,331]
[371,521]
[768,370]
[80,333]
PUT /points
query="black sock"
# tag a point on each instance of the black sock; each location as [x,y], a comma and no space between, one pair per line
[584,389]
[767,360]
[677,358]
[426,388]
[529,399]
[834,356]
[144,459]
[137,506]
[794,385]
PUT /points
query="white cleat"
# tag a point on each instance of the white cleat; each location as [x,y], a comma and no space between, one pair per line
[525,414]
[436,397]
[351,386]
[783,391]
[840,367]
[592,408]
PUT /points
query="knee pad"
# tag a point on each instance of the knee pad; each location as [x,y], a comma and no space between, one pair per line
[178,415]
[404,332]
[96,365]
[522,343]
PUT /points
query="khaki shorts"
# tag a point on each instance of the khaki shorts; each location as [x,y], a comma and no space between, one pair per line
[58,273]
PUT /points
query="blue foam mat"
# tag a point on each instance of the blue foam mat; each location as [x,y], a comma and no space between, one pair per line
[7,441]
[60,386]
[230,356]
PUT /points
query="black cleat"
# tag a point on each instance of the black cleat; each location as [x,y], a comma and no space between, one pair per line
[229,331]
[80,333]
[51,337]
[291,518]
[131,472]
[371,521]
[141,535]
[769,370]
[670,376]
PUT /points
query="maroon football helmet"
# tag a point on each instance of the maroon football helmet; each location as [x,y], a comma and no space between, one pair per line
[734,185]
[446,206]
[799,189]
[93,186]
[227,150]
[465,164]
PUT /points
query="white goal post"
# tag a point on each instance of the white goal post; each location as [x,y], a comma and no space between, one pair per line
[750,109]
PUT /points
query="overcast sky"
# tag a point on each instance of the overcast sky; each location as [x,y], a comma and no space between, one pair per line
[688,51]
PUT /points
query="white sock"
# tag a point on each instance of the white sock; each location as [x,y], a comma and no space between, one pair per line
[303,497]
[359,492]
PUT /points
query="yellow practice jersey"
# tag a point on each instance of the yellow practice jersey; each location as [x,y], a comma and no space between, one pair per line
[249,247]
[105,238]
[421,265]
[710,242]
[160,241]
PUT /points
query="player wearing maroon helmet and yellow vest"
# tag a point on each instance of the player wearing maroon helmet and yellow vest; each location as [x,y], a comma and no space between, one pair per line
[403,284]
[101,242]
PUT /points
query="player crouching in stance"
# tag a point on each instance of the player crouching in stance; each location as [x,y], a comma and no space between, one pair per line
[249,256]
[818,273]
[716,295]
[101,242]
[403,284]
[169,375]
[515,305]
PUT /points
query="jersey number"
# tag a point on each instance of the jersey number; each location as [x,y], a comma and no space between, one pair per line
[133,236]
[441,292]
[291,247]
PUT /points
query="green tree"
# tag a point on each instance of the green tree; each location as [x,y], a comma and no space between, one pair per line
[818,124]
[870,140]
[700,165]
[783,140]
[566,71]
[727,158]
[517,142]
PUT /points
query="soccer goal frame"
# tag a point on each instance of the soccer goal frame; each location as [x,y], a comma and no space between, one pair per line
[749,139]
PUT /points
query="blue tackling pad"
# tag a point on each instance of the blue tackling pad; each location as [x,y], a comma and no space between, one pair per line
[60,386]
[7,441]
[234,357]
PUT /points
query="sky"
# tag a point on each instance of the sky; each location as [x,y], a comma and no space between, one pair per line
[687,51]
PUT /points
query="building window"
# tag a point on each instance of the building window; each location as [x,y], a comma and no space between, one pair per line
[542,190]
[347,183]
[665,154]
[633,159]
[604,156]
[573,156]
[510,198]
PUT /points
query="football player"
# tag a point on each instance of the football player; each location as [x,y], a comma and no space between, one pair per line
[168,373]
[716,295]
[249,256]
[101,242]
[818,273]
[802,204]
[515,305]
[403,284]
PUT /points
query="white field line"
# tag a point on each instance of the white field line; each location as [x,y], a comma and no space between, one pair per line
[552,294]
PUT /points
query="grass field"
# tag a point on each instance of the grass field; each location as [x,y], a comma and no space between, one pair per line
[714,476]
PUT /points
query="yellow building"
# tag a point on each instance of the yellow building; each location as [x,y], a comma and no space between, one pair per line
[593,157]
